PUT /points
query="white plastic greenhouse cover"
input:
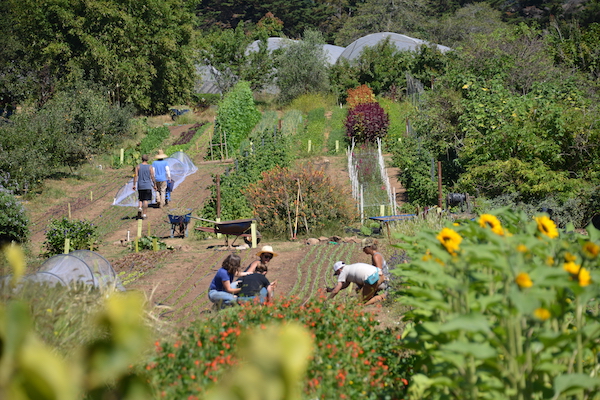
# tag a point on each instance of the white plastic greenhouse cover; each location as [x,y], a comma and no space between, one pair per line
[273,43]
[180,166]
[402,42]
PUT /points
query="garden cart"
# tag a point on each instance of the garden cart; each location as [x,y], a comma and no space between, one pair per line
[179,224]
[237,228]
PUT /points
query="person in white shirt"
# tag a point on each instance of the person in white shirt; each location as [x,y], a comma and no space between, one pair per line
[365,276]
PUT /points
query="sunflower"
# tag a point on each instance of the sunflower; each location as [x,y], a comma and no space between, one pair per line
[570,257]
[591,250]
[546,226]
[522,248]
[584,277]
[450,239]
[488,220]
[523,280]
[542,314]
[571,267]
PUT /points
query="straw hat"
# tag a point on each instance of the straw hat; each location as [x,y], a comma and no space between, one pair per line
[161,155]
[266,249]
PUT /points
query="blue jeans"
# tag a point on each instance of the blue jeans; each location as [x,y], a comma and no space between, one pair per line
[221,298]
[262,295]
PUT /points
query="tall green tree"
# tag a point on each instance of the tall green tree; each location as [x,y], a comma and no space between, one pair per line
[142,51]
[302,67]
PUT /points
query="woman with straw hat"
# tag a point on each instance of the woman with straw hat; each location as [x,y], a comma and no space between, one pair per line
[264,256]
[162,174]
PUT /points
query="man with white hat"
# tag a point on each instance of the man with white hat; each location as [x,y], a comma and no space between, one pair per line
[365,276]
[162,175]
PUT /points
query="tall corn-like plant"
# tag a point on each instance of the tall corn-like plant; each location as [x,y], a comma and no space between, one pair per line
[503,307]
[236,117]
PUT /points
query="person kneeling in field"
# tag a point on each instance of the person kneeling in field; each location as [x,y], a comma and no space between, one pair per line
[367,278]
[256,285]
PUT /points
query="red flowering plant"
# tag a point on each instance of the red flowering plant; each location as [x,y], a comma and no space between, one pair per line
[366,123]
[353,356]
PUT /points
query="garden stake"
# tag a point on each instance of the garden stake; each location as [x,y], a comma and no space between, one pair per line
[139,230]
[297,204]
[69,207]
[287,206]
[91,196]
[148,228]
[67,243]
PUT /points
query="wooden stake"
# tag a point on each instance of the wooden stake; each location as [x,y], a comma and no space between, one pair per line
[69,206]
[139,228]
[254,236]
[297,205]
[67,245]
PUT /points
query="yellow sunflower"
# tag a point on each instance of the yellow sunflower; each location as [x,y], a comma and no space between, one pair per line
[584,277]
[549,261]
[488,220]
[522,248]
[542,314]
[523,280]
[591,250]
[546,226]
[450,239]
[571,267]
[570,257]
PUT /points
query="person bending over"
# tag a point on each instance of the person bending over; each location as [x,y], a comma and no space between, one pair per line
[365,276]
[256,285]
[222,291]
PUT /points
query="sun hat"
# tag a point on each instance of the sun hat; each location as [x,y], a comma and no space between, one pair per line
[266,249]
[368,242]
[337,266]
[161,155]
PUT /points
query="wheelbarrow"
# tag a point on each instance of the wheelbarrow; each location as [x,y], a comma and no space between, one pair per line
[179,224]
[236,227]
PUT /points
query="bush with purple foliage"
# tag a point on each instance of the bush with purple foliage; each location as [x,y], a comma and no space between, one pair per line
[367,122]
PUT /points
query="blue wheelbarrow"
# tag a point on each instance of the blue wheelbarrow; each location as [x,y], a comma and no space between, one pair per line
[179,224]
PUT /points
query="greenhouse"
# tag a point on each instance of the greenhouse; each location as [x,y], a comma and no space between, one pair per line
[402,42]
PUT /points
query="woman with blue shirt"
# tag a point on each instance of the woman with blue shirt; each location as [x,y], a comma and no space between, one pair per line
[222,291]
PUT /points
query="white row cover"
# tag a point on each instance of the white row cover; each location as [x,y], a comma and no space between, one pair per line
[180,166]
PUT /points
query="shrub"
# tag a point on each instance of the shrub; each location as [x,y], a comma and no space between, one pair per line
[81,235]
[353,357]
[14,224]
[275,197]
[360,95]
[367,123]
[205,100]
[504,300]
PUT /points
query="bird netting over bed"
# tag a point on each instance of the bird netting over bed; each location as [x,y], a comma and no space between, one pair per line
[180,166]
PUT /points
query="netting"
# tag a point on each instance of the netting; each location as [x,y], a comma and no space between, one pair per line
[180,166]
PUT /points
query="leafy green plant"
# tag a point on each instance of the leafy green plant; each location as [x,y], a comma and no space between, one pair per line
[236,117]
[264,151]
[503,307]
[14,224]
[348,361]
[81,234]
[147,243]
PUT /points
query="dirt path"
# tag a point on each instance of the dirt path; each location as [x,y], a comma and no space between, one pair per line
[177,280]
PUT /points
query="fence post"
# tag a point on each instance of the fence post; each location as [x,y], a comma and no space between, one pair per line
[253,233]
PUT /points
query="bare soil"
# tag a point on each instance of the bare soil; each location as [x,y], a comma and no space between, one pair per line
[177,280]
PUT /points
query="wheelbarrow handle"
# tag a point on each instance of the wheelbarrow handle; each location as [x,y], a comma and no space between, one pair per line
[206,220]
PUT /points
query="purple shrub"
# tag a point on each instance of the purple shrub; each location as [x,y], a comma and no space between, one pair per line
[367,122]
